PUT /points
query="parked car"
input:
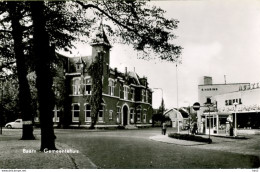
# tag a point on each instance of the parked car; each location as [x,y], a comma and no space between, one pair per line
[16,124]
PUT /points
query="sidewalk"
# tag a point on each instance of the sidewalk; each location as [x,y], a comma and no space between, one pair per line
[24,154]
[248,145]
[166,139]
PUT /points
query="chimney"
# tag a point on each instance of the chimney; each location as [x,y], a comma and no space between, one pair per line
[125,70]
[207,80]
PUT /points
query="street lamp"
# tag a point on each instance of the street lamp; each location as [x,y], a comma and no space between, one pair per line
[235,133]
[177,91]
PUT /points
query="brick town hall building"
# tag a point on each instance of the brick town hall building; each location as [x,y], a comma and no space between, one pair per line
[126,98]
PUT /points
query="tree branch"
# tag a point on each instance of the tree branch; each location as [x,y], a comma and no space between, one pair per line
[5,31]
[109,16]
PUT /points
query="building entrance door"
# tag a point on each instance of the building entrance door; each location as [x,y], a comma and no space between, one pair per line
[125,115]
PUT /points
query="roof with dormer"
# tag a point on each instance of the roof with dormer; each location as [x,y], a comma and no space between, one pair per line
[134,76]
[86,60]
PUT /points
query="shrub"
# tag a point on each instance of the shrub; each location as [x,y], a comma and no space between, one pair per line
[189,137]
[120,127]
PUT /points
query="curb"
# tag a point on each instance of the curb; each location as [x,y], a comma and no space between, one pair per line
[79,160]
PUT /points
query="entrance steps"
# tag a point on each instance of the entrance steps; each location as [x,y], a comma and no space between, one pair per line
[131,127]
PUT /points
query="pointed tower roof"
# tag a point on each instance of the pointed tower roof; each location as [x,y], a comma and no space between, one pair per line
[80,61]
[100,37]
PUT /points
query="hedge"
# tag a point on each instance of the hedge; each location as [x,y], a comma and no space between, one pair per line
[189,137]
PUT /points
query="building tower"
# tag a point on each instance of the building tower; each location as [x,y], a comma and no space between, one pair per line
[101,49]
[100,43]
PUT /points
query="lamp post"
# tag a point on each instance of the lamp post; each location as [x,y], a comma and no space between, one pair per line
[1,115]
[235,133]
[177,91]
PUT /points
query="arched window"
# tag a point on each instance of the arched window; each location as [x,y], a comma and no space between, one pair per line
[132,116]
[143,95]
[101,112]
[75,112]
[111,114]
[56,114]
[132,94]
[138,113]
[126,91]
[144,115]
[87,113]
[87,86]
[111,87]
[118,117]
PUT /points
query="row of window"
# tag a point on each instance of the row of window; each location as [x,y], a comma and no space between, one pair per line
[55,115]
[232,101]
[76,111]
[76,86]
[87,110]
[128,93]
[209,89]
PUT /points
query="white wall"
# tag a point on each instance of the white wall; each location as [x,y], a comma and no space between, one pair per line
[216,89]
[250,101]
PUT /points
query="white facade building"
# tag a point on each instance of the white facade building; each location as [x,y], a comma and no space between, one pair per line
[178,117]
[248,108]
[223,96]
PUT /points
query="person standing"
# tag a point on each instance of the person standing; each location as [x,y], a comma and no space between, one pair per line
[164,128]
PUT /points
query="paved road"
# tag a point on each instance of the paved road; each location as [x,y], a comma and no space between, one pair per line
[130,149]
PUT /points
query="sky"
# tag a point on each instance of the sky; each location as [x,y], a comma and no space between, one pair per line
[218,38]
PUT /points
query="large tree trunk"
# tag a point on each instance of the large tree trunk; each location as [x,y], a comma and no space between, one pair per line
[24,89]
[44,78]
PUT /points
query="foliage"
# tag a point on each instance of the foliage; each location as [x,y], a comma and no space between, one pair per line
[140,25]
[60,22]
[32,83]
[9,99]
[189,137]
[120,127]
[193,117]
[14,10]
[162,107]
[59,86]
[7,59]
[159,118]
[96,71]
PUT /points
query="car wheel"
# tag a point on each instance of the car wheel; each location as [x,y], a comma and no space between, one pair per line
[9,126]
